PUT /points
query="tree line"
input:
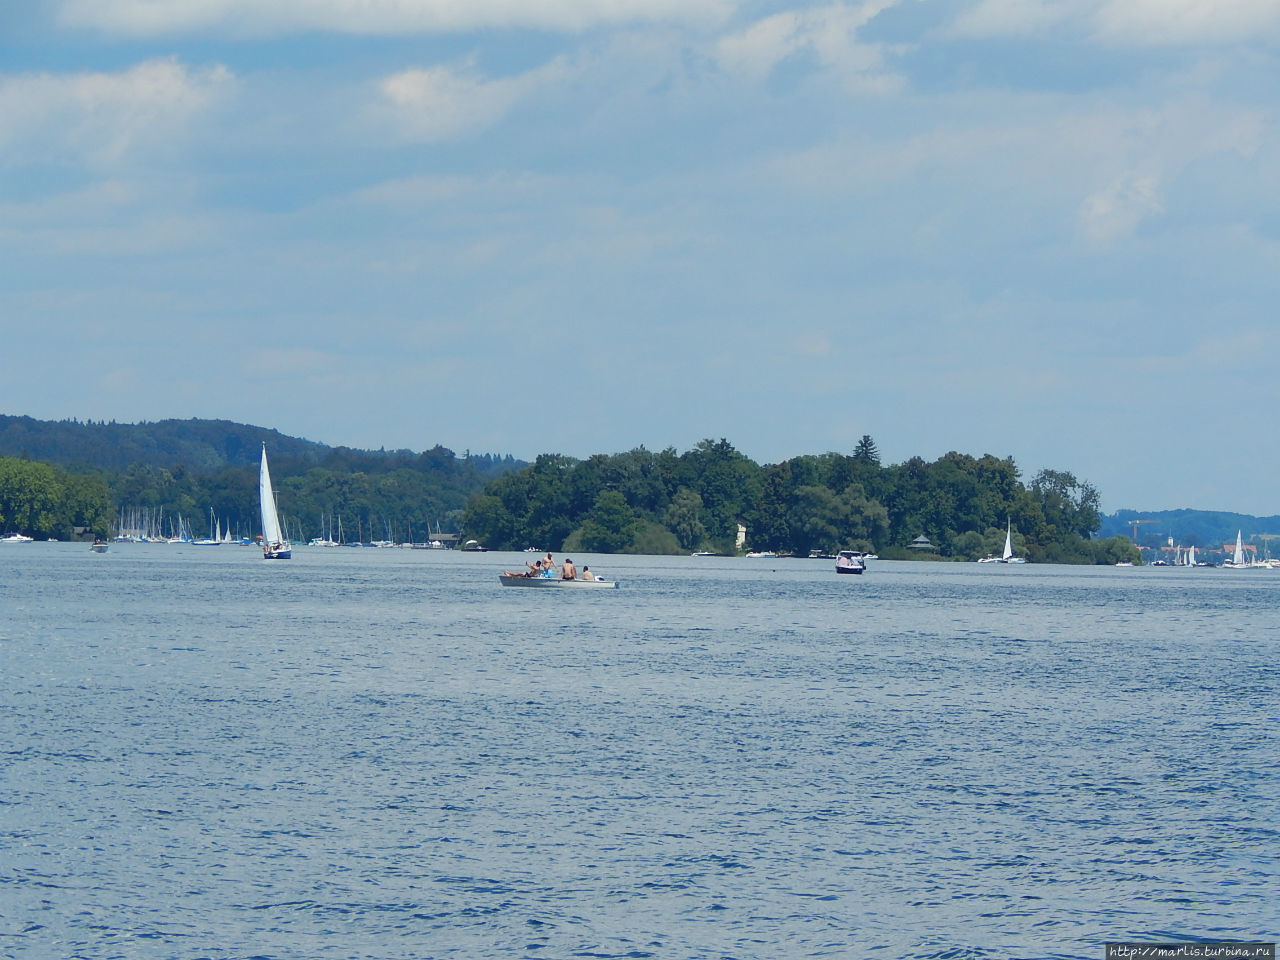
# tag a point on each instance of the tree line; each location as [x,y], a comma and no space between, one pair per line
[640,501]
[366,496]
[70,478]
[665,502]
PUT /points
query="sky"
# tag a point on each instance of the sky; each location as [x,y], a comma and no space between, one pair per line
[1044,229]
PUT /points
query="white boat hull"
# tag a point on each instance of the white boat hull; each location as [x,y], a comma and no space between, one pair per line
[555,583]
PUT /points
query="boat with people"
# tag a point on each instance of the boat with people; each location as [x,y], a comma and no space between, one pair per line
[850,561]
[554,583]
[274,544]
[545,572]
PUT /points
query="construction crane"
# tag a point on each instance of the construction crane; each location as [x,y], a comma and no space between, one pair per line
[1135,524]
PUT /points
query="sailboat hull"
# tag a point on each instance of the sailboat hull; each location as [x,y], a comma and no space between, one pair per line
[284,554]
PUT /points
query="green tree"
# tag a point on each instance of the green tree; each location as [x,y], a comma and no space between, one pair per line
[31,495]
[815,518]
[488,521]
[866,451]
[1115,549]
[610,526]
[729,483]
[684,519]
[1068,505]
[652,538]
[88,505]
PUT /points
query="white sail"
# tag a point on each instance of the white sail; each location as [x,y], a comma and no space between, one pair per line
[1238,558]
[1008,543]
[274,545]
[1191,556]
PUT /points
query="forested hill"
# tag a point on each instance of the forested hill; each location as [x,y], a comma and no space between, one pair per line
[169,478]
[203,446]
[1202,529]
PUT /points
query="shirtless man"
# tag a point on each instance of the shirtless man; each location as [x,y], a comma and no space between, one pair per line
[568,571]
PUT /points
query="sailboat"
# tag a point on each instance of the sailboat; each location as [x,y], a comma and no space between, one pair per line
[1237,558]
[1007,556]
[215,534]
[274,545]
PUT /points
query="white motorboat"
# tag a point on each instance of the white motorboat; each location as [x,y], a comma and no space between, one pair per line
[850,561]
[554,583]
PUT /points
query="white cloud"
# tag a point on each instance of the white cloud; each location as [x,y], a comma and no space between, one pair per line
[1127,22]
[1119,208]
[998,18]
[373,17]
[100,118]
[828,34]
[1194,22]
[441,103]
[756,51]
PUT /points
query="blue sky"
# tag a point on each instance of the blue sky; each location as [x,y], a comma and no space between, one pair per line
[1044,229]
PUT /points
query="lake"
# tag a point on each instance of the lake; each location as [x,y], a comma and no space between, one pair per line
[381,753]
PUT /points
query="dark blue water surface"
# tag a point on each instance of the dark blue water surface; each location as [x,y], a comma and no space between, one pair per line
[365,753]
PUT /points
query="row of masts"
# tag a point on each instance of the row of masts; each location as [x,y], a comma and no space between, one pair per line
[147,525]
[390,539]
[144,525]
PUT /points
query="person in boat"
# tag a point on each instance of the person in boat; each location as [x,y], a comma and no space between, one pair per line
[587,574]
[568,571]
[535,570]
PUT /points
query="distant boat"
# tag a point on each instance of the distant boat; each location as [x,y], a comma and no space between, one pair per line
[762,555]
[16,538]
[850,561]
[1006,555]
[1237,561]
[99,546]
[274,545]
[215,533]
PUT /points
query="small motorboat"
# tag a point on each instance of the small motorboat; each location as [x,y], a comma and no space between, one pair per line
[554,583]
[850,561]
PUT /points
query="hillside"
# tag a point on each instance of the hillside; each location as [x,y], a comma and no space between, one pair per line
[59,477]
[196,446]
[1203,529]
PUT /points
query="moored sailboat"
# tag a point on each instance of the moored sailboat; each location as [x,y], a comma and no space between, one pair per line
[1238,561]
[274,545]
[1006,555]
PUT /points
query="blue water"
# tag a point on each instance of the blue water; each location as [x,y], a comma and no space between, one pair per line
[384,754]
